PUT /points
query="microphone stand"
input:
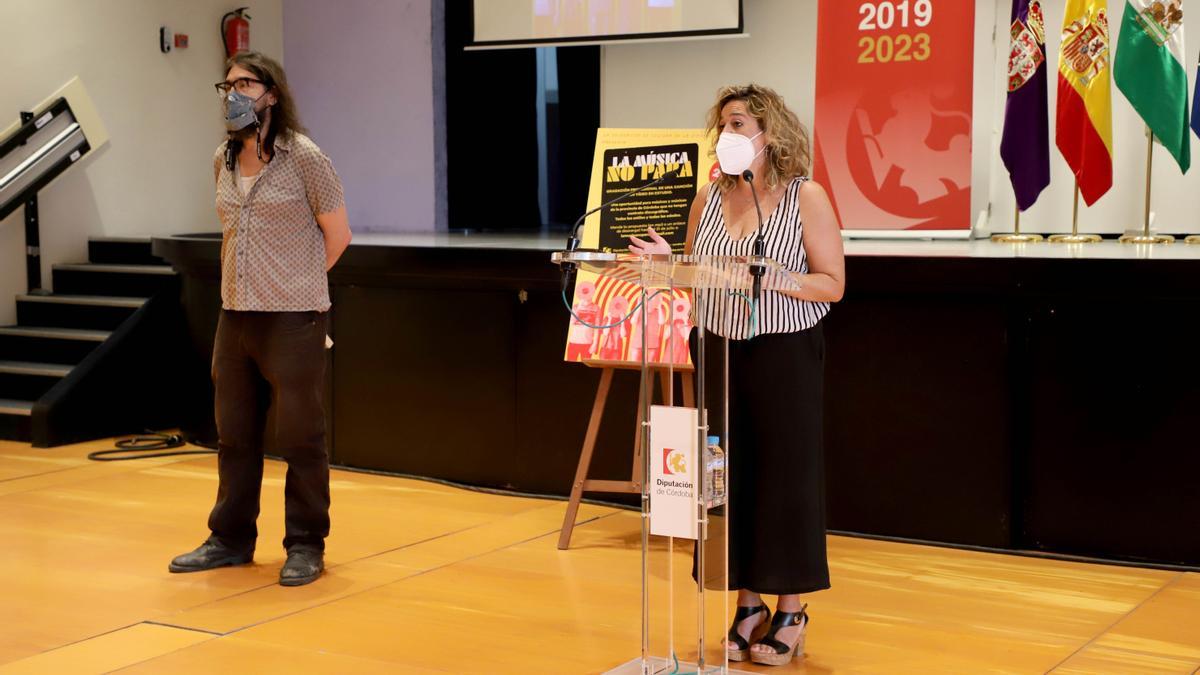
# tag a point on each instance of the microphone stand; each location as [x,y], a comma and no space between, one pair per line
[757,269]
[568,268]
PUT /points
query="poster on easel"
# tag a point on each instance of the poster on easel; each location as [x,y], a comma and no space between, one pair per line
[606,323]
[893,118]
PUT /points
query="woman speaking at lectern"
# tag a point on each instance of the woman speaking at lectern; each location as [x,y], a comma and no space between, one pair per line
[776,353]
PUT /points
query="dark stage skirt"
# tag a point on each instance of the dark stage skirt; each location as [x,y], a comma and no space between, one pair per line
[775,452]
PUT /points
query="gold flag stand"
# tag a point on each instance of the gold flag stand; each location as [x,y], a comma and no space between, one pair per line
[1075,237]
[1145,237]
[1016,237]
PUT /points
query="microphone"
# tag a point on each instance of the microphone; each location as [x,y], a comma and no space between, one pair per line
[757,270]
[568,268]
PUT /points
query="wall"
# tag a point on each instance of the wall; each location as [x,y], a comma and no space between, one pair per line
[364,73]
[672,85]
[155,175]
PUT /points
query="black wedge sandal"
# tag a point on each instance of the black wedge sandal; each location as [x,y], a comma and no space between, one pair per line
[742,651]
[781,654]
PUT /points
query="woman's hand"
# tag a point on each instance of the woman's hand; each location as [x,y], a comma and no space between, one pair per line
[656,246]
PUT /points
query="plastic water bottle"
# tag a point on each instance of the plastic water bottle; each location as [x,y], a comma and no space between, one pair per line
[714,472]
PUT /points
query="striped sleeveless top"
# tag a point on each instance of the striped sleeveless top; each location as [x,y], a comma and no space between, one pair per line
[783,233]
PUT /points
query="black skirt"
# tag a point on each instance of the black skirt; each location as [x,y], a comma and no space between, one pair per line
[775,452]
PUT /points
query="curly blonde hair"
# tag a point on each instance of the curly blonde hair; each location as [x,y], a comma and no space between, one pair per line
[788,150]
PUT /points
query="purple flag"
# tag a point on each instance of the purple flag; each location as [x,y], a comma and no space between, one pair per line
[1025,146]
[1196,107]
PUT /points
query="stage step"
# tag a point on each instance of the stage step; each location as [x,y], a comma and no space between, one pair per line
[48,345]
[90,312]
[112,279]
[84,300]
[114,268]
[57,331]
[26,380]
[18,408]
[34,369]
[122,251]
[14,419]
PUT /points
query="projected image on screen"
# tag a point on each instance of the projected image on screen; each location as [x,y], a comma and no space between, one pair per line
[597,18]
[521,21]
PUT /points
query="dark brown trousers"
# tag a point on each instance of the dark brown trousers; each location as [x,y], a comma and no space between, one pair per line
[269,375]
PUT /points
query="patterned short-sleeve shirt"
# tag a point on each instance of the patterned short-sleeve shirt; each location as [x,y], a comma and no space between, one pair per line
[272,250]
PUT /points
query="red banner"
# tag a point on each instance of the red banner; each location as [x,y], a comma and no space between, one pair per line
[893,112]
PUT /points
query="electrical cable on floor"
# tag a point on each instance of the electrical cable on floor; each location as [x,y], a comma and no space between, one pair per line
[150,443]
[145,446]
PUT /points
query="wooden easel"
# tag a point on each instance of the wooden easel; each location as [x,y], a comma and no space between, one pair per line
[634,484]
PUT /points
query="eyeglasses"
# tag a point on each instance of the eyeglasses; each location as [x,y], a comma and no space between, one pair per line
[242,85]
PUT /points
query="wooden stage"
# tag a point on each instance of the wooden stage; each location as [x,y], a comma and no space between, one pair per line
[425,578]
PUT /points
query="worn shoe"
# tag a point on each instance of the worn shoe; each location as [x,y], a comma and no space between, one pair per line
[303,566]
[210,555]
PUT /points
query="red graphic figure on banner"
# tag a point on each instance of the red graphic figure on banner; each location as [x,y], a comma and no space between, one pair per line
[904,143]
[635,335]
[655,321]
[615,333]
[586,311]
[893,114]
[680,328]
[662,318]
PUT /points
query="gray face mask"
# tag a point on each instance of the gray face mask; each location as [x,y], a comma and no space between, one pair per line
[239,110]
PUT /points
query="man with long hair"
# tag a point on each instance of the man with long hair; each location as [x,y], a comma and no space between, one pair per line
[284,225]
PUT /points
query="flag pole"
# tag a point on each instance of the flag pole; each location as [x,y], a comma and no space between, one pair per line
[1016,237]
[1195,238]
[1075,237]
[1145,237]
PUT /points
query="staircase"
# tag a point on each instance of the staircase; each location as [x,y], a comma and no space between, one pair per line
[59,360]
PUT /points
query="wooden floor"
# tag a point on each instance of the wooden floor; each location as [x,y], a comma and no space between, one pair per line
[429,579]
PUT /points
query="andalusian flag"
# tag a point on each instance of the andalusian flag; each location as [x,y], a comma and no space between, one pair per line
[1149,69]
[1084,125]
[1025,146]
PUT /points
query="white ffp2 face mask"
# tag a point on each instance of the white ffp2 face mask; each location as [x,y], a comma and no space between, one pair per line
[735,152]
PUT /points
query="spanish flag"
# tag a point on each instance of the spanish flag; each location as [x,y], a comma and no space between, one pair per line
[1084,124]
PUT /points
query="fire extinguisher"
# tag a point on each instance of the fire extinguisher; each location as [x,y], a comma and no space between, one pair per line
[235,31]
